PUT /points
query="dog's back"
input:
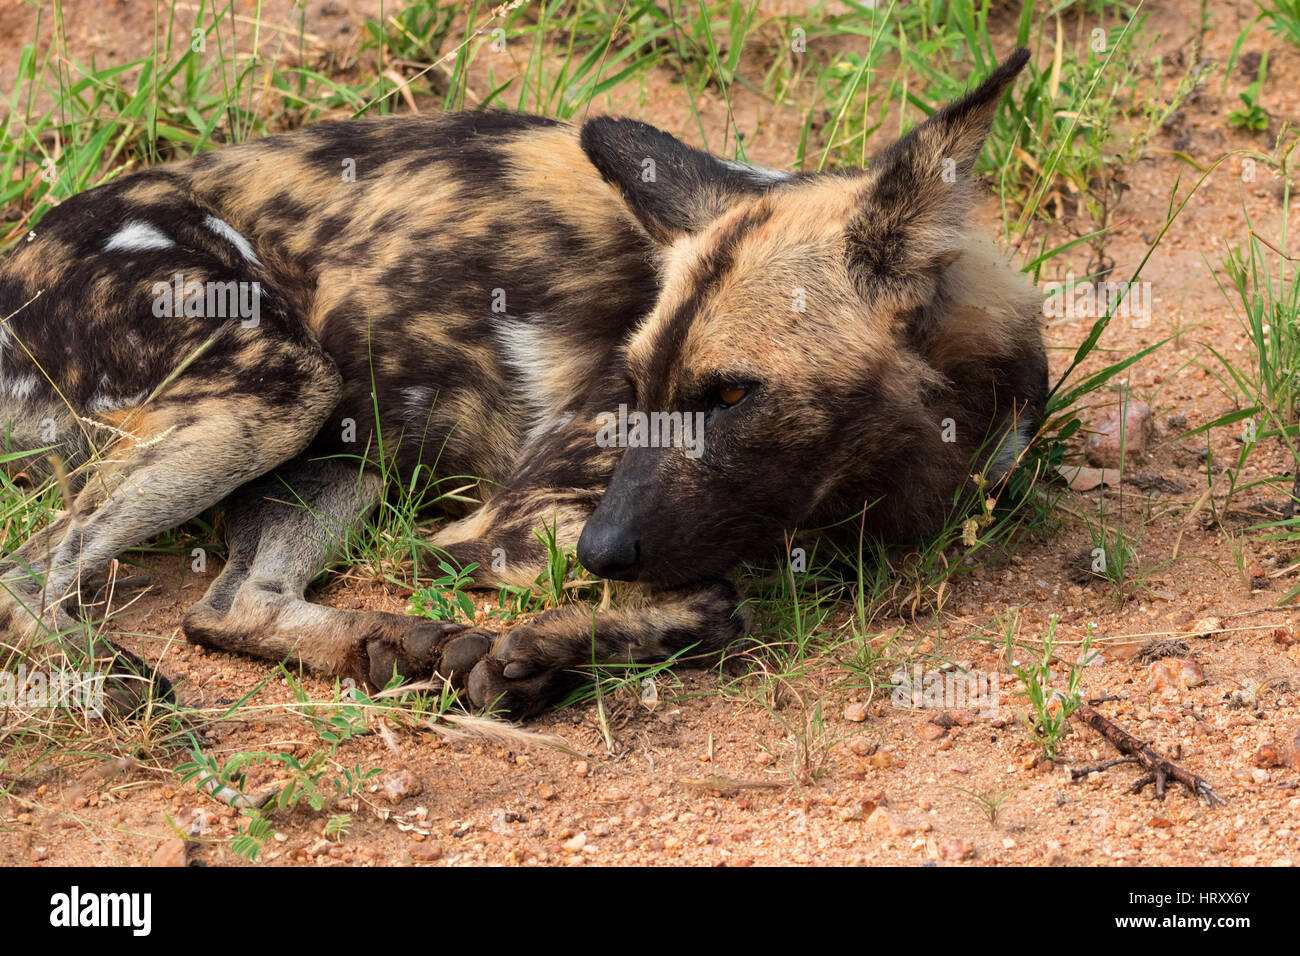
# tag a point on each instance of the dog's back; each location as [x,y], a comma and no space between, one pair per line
[471,271]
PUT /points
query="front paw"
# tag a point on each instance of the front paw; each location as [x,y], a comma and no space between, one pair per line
[411,653]
[527,669]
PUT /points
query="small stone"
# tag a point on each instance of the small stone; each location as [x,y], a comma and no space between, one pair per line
[931,731]
[169,853]
[881,760]
[1207,627]
[1173,673]
[399,785]
[426,854]
[1130,424]
[956,849]
[883,824]
[581,768]
[546,791]
[1266,756]
[963,718]
[861,746]
[1283,636]
[855,712]
[575,844]
[323,846]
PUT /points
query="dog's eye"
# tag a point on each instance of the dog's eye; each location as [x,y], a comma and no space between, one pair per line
[730,395]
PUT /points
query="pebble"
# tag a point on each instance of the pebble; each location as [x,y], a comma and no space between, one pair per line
[400,784]
[576,844]
[1266,756]
[1131,423]
[855,712]
[956,849]
[882,823]
[862,746]
[169,853]
[1173,673]
[932,731]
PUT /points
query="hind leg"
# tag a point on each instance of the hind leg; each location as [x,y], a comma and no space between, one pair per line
[282,530]
[170,461]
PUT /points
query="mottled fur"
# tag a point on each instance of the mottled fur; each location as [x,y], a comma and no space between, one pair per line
[472,293]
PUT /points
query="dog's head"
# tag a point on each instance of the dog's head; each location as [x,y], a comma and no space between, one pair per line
[786,326]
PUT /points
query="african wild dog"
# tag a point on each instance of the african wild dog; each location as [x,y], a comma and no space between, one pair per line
[491,288]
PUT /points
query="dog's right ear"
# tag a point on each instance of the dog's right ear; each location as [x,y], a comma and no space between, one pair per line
[671,188]
[911,216]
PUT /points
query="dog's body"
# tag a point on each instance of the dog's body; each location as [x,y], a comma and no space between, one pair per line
[480,294]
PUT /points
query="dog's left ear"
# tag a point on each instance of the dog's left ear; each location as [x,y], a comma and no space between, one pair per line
[912,210]
[671,188]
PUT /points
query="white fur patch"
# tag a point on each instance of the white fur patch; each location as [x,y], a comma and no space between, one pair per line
[19,388]
[138,236]
[102,402]
[418,401]
[1012,446]
[227,232]
[758,173]
[523,349]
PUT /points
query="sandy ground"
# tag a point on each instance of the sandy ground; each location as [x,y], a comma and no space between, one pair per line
[710,776]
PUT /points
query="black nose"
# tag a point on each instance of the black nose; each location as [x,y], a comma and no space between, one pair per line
[609,551]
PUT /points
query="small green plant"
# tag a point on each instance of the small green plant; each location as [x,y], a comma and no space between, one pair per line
[247,844]
[1050,709]
[1251,115]
[563,572]
[445,595]
[1283,18]
[338,826]
[1113,557]
[990,801]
